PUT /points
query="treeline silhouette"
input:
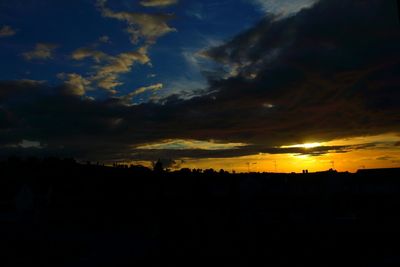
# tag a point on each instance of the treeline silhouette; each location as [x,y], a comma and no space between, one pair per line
[62,213]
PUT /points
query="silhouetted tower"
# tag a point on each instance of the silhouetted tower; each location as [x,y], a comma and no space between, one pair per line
[333,164]
[158,167]
[255,163]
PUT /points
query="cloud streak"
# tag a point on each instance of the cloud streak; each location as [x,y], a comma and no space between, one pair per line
[83,53]
[127,99]
[7,31]
[107,75]
[284,8]
[158,3]
[108,68]
[145,26]
[42,51]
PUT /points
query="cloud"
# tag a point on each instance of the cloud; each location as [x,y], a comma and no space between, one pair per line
[6,31]
[104,39]
[108,68]
[158,3]
[29,144]
[325,76]
[183,88]
[83,53]
[12,89]
[74,84]
[127,99]
[42,51]
[284,8]
[140,25]
[107,75]
[123,62]
[322,81]
[385,158]
[143,28]
[142,90]
[190,144]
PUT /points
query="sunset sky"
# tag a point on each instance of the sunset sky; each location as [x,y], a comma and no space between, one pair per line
[244,85]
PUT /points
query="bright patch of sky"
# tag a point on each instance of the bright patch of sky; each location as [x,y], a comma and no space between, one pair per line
[29,144]
[284,8]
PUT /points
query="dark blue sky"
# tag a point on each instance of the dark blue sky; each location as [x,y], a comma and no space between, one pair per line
[70,25]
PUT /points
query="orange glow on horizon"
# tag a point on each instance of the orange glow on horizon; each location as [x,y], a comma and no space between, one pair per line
[379,151]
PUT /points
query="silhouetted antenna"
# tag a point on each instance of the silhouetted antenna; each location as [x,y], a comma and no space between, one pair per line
[333,164]
[276,166]
[255,163]
[248,167]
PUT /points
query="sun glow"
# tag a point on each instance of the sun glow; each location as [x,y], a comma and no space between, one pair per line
[378,151]
[306,145]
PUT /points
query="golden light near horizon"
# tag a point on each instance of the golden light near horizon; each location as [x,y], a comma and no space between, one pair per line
[306,145]
[351,154]
[376,151]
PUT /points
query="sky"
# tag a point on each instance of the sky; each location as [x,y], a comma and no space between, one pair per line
[244,85]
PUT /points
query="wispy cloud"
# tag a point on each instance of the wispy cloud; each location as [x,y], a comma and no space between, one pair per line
[107,75]
[127,99]
[142,90]
[179,144]
[7,31]
[158,3]
[105,39]
[83,53]
[108,68]
[42,51]
[283,8]
[74,84]
[140,25]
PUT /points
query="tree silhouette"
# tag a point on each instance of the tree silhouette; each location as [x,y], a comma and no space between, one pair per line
[158,167]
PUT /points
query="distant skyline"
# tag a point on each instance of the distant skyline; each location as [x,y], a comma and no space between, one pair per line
[260,85]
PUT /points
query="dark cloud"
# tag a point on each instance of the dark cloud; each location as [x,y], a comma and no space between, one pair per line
[331,71]
[327,72]
[231,153]
[385,158]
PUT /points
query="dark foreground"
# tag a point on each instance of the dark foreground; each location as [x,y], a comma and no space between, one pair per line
[59,213]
